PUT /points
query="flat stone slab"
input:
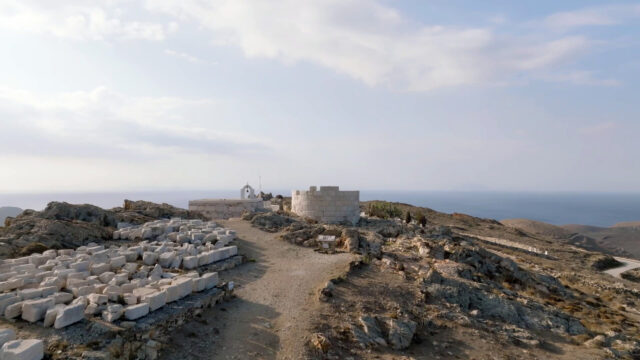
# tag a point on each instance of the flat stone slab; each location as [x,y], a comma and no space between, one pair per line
[29,349]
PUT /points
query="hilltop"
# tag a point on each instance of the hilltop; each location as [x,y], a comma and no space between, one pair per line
[8,211]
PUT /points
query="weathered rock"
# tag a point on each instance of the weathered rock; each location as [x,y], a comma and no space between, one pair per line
[29,349]
[400,333]
[69,315]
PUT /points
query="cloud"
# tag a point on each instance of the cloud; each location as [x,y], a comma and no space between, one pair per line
[79,20]
[592,16]
[103,123]
[184,56]
[372,42]
[579,77]
[599,128]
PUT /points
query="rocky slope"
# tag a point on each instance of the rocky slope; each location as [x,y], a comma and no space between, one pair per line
[8,211]
[62,225]
[463,287]
[620,240]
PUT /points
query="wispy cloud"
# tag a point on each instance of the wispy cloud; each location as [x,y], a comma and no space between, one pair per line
[593,16]
[79,20]
[103,123]
[372,42]
[184,56]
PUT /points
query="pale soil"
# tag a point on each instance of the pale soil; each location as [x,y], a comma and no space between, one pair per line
[277,297]
[627,264]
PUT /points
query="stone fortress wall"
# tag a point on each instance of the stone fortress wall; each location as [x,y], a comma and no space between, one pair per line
[328,205]
[225,208]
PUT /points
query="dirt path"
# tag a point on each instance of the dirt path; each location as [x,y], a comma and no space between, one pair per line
[276,299]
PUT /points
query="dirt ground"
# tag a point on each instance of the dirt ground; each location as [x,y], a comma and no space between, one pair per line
[277,296]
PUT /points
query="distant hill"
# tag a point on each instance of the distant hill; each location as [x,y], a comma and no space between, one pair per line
[622,239]
[8,211]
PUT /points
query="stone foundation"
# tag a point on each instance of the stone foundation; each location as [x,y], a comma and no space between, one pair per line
[225,208]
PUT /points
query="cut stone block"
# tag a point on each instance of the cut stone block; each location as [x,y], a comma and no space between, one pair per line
[34,310]
[130,299]
[118,262]
[98,299]
[211,279]
[97,269]
[112,312]
[51,314]
[81,266]
[94,249]
[133,312]
[166,259]
[30,294]
[155,300]
[11,284]
[199,284]
[185,286]
[13,311]
[130,256]
[6,335]
[4,303]
[130,267]
[105,277]
[149,258]
[190,262]
[29,349]
[62,297]
[92,309]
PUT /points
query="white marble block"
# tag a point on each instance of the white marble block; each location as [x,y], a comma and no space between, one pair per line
[155,300]
[34,310]
[6,335]
[133,312]
[69,315]
[149,258]
[112,312]
[30,349]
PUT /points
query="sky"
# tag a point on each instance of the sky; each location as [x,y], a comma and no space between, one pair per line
[158,95]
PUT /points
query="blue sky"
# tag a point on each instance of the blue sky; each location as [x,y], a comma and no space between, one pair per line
[408,95]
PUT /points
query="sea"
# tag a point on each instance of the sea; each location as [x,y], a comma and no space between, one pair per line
[597,209]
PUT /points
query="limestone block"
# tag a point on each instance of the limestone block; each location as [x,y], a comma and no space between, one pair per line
[166,259]
[130,299]
[133,312]
[211,280]
[30,294]
[106,277]
[6,335]
[98,299]
[92,309]
[143,291]
[24,268]
[7,275]
[48,290]
[62,297]
[146,234]
[78,276]
[204,258]
[29,349]
[94,249]
[172,291]
[50,254]
[130,255]
[190,262]
[155,300]
[11,284]
[64,273]
[199,284]
[149,258]
[112,312]
[4,303]
[177,261]
[130,267]
[191,275]
[37,259]
[112,292]
[51,314]
[116,235]
[119,279]
[74,283]
[127,288]
[67,252]
[99,268]
[137,249]
[34,310]
[13,310]
[55,281]
[68,315]
[185,286]
[83,290]
[80,266]
[118,262]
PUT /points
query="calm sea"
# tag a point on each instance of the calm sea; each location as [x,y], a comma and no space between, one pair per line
[599,209]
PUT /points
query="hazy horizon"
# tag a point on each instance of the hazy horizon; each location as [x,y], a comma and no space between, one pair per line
[365,94]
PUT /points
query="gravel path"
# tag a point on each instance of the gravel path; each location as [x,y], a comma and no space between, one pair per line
[628,264]
[276,300]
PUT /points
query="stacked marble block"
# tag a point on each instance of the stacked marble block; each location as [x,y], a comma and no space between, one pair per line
[62,287]
[12,349]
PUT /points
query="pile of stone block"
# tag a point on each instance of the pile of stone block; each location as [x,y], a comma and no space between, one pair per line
[177,230]
[61,287]
[12,349]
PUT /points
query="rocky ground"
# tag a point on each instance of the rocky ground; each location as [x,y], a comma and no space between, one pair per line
[458,287]
[447,290]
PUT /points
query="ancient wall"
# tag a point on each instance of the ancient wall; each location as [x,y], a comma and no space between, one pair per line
[225,208]
[328,205]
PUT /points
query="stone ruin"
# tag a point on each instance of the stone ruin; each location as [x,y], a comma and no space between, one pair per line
[61,287]
[327,205]
[228,208]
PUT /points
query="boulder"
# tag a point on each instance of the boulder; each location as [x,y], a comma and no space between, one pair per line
[400,333]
